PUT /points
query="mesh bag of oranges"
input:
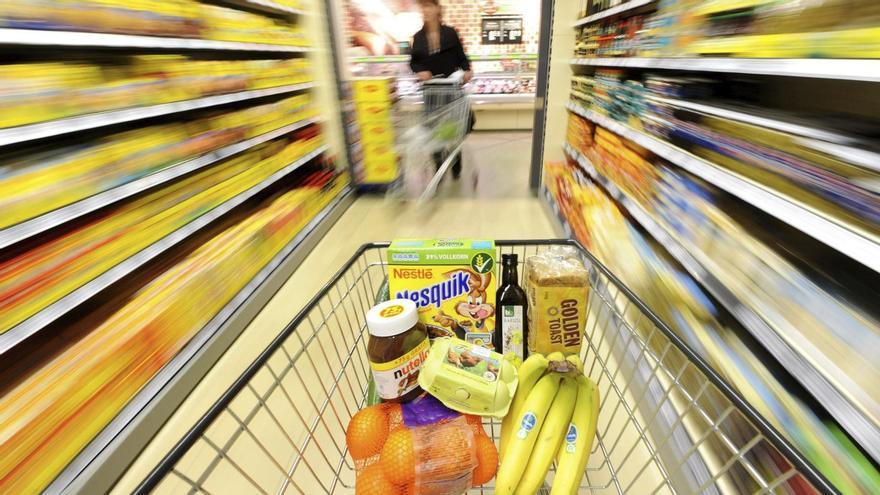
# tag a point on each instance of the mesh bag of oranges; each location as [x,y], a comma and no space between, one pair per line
[419,448]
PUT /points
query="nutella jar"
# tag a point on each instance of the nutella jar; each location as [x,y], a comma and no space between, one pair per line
[398,346]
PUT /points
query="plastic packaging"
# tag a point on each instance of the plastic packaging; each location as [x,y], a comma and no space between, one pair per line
[419,448]
[557,291]
[469,378]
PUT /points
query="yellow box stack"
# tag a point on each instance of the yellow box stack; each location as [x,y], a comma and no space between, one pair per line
[373,98]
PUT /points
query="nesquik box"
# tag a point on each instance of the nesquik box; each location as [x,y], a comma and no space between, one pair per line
[452,282]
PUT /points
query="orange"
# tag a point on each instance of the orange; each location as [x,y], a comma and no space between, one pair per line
[398,459]
[487,460]
[449,451]
[395,415]
[367,432]
[411,489]
[372,481]
[476,423]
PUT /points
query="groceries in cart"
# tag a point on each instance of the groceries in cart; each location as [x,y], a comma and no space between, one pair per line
[437,377]
[557,292]
[452,282]
[469,378]
[419,447]
[553,416]
[398,346]
[512,305]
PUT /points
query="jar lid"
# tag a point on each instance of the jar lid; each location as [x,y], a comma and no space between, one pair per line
[392,317]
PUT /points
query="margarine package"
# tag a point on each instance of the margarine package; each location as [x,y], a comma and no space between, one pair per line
[451,281]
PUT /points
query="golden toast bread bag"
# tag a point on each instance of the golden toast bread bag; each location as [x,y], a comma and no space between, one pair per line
[558,285]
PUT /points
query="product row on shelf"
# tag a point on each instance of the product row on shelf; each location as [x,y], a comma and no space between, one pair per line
[171,18]
[38,277]
[605,225]
[38,92]
[751,28]
[664,106]
[35,182]
[825,165]
[743,205]
[148,199]
[67,396]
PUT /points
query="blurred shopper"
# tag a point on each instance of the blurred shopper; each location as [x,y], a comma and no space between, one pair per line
[437,51]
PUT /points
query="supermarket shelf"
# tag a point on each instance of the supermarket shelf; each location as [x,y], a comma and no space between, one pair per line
[267,6]
[109,454]
[823,387]
[56,310]
[52,219]
[80,39]
[479,99]
[735,114]
[822,68]
[860,246]
[828,141]
[624,7]
[503,75]
[379,59]
[553,210]
[42,130]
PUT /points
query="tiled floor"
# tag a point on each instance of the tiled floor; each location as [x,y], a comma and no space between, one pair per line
[491,200]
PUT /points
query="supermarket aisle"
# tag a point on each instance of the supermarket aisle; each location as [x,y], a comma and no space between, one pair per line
[491,200]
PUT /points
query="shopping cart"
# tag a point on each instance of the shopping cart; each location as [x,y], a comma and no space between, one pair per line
[432,128]
[667,422]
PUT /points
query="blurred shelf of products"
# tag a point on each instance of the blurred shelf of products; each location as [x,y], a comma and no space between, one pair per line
[166,165]
[722,157]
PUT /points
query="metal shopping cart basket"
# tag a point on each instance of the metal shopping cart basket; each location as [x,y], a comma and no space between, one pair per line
[667,422]
[433,126]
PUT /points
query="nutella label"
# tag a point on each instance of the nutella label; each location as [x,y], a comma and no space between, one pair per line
[397,377]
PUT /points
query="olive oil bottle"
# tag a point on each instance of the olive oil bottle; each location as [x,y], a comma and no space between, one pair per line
[511,306]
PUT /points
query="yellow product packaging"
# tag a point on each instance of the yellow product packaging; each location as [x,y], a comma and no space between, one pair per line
[381,170]
[376,132]
[372,89]
[558,286]
[373,111]
[469,378]
[452,283]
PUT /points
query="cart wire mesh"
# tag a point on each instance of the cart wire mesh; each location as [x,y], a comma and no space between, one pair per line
[667,422]
[433,124]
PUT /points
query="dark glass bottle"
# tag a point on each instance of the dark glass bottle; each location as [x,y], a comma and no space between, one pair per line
[511,306]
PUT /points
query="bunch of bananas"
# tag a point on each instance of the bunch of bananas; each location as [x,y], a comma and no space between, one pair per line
[554,413]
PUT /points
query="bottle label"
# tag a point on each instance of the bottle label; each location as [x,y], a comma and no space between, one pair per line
[399,376]
[512,320]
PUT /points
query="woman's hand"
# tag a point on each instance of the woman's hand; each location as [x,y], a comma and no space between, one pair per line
[468,75]
[424,75]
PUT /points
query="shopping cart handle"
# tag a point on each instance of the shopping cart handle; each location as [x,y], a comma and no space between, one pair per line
[457,77]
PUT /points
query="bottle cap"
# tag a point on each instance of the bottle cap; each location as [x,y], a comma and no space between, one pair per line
[392,317]
[508,259]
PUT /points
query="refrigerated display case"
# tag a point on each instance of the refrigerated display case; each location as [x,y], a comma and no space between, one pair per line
[502,91]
